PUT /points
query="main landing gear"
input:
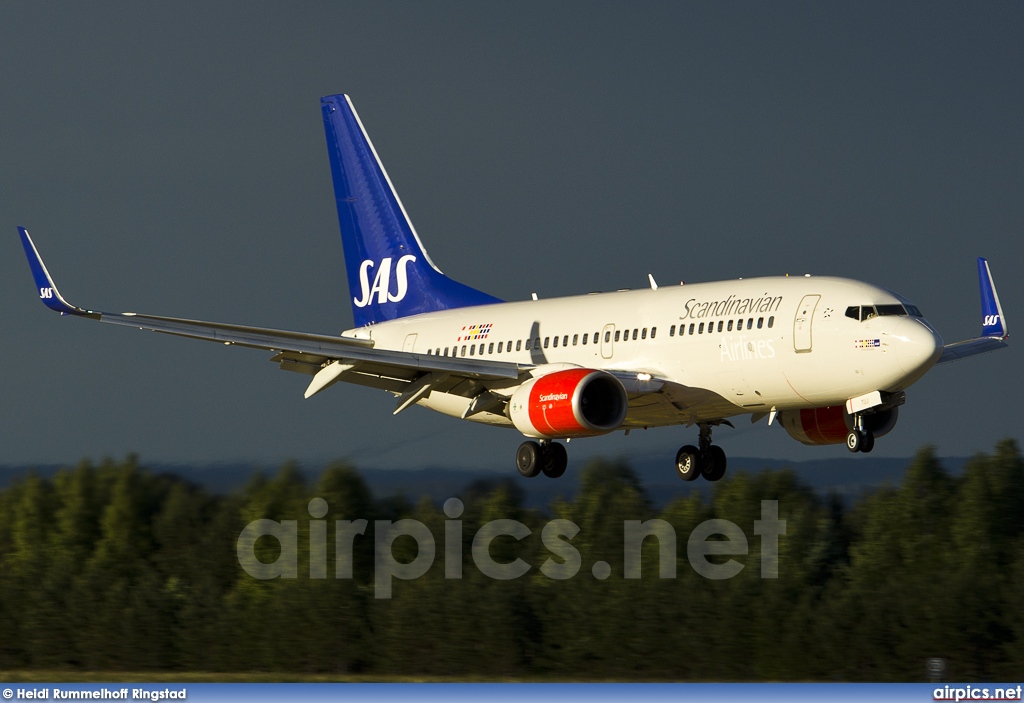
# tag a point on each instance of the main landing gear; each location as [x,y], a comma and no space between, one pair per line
[860,438]
[708,460]
[533,458]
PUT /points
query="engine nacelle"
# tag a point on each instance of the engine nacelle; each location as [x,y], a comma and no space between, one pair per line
[831,425]
[569,403]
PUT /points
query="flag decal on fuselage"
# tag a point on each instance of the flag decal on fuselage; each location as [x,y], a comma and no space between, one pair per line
[472,333]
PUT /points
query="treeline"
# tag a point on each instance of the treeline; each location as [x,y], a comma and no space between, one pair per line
[111,567]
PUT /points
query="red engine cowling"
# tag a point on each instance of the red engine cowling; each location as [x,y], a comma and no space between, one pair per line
[570,403]
[831,425]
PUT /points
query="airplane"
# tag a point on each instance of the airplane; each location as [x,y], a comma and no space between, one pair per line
[829,358]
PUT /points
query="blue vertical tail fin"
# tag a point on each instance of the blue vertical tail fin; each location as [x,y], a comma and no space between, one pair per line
[390,274]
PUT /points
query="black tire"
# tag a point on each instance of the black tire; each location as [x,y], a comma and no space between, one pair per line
[714,463]
[556,460]
[529,458]
[854,441]
[688,463]
[867,442]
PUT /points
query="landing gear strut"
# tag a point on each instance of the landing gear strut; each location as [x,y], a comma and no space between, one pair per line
[707,460]
[860,438]
[545,456]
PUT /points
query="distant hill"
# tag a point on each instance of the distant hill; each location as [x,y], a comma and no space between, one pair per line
[846,477]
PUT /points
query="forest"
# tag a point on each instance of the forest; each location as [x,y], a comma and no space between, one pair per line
[112,567]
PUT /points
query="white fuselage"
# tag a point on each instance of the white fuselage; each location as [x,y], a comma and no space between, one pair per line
[751,344]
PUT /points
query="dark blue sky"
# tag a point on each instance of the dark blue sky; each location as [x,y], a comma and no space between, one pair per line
[170,159]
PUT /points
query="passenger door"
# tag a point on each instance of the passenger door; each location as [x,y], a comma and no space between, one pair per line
[802,323]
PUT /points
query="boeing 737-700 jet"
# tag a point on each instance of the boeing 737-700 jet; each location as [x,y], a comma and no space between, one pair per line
[828,358]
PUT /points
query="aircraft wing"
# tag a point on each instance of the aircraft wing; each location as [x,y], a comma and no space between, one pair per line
[657,401]
[341,358]
[993,324]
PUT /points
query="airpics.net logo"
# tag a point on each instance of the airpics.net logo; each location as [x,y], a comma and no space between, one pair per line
[711,538]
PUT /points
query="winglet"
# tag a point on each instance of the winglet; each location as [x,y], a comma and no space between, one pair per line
[48,292]
[993,323]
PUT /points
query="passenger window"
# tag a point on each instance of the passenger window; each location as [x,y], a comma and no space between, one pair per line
[634,335]
[672,330]
[585,337]
[519,343]
[700,330]
[446,351]
[501,346]
[527,345]
[546,340]
[771,321]
[730,326]
[760,322]
[575,338]
[536,343]
[616,335]
[472,348]
[643,333]
[691,328]
[654,331]
[750,324]
[607,336]
[490,348]
[546,343]
[565,341]
[463,350]
[719,325]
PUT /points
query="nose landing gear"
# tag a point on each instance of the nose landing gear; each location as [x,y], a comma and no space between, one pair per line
[860,438]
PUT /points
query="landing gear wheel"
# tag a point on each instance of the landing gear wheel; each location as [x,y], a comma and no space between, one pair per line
[529,458]
[714,463]
[854,441]
[555,460]
[867,442]
[688,463]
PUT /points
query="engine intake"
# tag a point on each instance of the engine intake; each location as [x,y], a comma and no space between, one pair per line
[569,403]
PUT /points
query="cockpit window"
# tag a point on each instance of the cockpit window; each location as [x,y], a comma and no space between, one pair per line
[866,312]
[890,310]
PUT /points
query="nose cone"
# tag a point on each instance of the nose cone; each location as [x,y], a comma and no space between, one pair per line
[918,346]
